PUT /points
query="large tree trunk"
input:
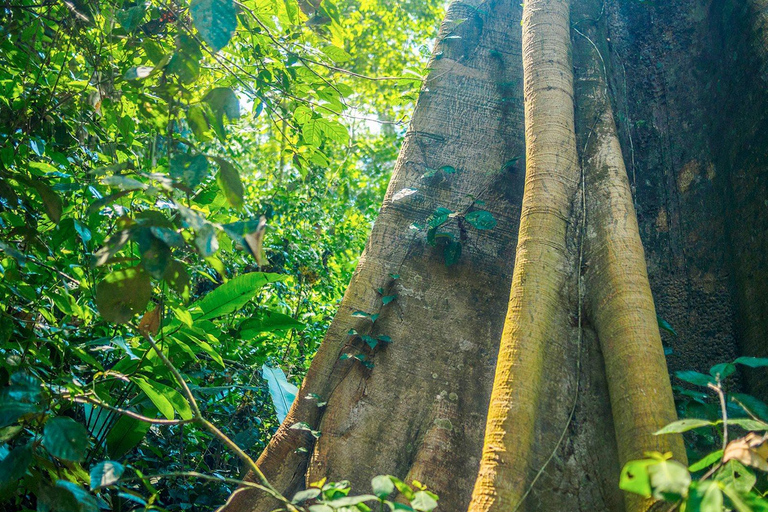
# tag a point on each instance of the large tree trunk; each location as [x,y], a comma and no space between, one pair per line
[581,381]
[422,407]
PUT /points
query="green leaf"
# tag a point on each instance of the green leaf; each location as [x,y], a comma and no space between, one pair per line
[679,426]
[65,497]
[723,370]
[481,219]
[735,475]
[66,439]
[403,488]
[267,321]
[223,102]
[156,394]
[130,18]
[229,180]
[176,399]
[696,378]
[283,393]
[665,326]
[199,118]
[452,253]
[125,435]
[752,362]
[309,494]
[190,170]
[751,404]
[707,461]
[232,295]
[635,478]
[105,474]
[387,299]
[669,480]
[336,54]
[15,464]
[138,72]
[215,20]
[704,496]
[122,294]
[438,217]
[422,501]
[51,200]
[206,241]
[748,424]
[382,486]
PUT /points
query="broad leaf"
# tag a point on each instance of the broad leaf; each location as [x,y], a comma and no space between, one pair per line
[105,474]
[735,475]
[232,295]
[65,438]
[267,321]
[190,170]
[705,497]
[707,461]
[215,20]
[696,378]
[679,426]
[229,180]
[15,464]
[122,294]
[669,480]
[481,219]
[382,486]
[752,362]
[283,393]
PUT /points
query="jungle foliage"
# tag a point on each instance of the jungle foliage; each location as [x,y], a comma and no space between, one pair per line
[194,177]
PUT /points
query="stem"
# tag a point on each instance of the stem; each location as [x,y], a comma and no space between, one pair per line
[719,390]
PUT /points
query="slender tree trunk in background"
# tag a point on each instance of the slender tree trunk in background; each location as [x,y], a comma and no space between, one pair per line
[581,380]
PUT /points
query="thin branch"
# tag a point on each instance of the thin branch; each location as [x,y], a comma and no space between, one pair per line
[85,399]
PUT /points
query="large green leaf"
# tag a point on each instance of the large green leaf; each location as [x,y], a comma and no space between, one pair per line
[229,180]
[190,170]
[705,497]
[223,102]
[156,394]
[123,293]
[735,475]
[696,378]
[125,435]
[669,480]
[267,321]
[216,20]
[66,496]
[106,473]
[15,464]
[65,438]
[481,219]
[232,295]
[635,478]
[283,393]
[683,426]
[752,362]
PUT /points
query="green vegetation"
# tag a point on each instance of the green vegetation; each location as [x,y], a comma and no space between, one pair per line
[726,474]
[199,178]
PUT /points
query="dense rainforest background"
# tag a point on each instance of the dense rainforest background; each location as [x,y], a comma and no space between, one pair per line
[211,296]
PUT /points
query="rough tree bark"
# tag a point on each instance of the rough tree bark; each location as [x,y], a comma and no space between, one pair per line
[656,86]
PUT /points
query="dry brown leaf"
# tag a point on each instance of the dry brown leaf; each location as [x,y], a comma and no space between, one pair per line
[150,322]
[750,450]
[255,241]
